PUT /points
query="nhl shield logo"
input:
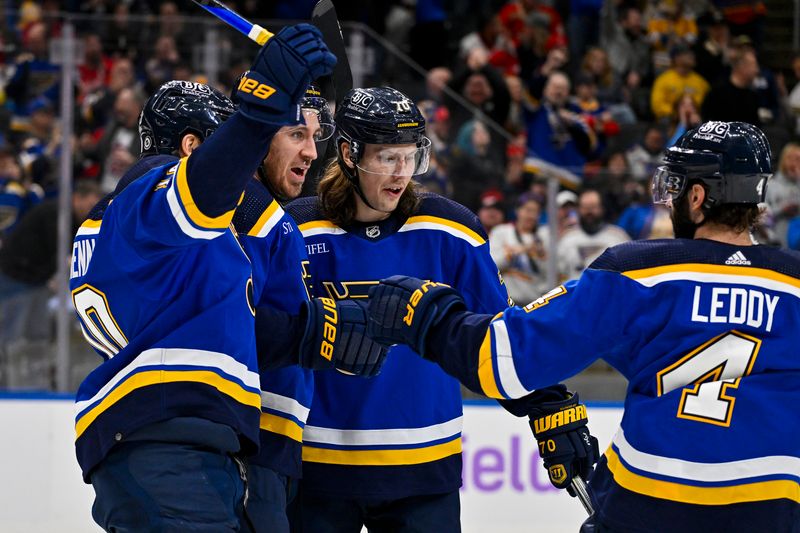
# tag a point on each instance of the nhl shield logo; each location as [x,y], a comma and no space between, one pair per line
[373,232]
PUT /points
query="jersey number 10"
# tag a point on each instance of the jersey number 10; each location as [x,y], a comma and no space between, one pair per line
[97,323]
[707,374]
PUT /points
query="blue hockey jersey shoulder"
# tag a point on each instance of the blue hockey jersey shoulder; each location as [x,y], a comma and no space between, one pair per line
[257,200]
[305,210]
[438,206]
[637,255]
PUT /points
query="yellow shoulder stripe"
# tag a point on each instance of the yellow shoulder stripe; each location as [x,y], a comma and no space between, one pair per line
[445,222]
[195,215]
[265,216]
[314,224]
[712,269]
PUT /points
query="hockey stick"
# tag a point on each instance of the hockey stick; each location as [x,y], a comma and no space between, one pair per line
[579,487]
[231,18]
[341,81]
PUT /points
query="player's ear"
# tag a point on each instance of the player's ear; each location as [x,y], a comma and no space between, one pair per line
[189,142]
[346,154]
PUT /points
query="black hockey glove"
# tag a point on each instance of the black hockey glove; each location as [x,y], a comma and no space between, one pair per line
[270,91]
[402,310]
[335,337]
[558,422]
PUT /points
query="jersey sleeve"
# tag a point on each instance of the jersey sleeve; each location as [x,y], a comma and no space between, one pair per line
[554,337]
[193,200]
[277,251]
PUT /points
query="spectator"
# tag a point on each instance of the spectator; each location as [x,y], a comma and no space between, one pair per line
[609,88]
[556,131]
[122,35]
[584,243]
[492,212]
[95,69]
[686,117]
[745,17]
[483,87]
[584,25]
[644,157]
[623,39]
[435,81]
[33,75]
[594,113]
[473,169]
[161,66]
[681,79]
[17,194]
[670,25]
[794,96]
[519,253]
[735,99]
[120,145]
[637,219]
[783,192]
[29,259]
[712,52]
[566,217]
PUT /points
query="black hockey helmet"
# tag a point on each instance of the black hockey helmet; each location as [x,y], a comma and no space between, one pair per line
[732,159]
[313,100]
[380,115]
[177,108]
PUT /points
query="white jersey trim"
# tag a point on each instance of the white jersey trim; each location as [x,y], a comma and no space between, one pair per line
[506,370]
[183,222]
[704,277]
[413,226]
[166,357]
[706,472]
[284,404]
[323,231]
[371,437]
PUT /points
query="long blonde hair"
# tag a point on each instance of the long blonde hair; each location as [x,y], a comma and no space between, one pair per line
[337,197]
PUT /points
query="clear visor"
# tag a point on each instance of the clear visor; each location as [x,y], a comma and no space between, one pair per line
[326,124]
[396,159]
[667,185]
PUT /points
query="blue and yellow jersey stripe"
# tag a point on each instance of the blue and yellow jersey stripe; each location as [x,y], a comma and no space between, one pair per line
[161,366]
[747,480]
[428,222]
[382,447]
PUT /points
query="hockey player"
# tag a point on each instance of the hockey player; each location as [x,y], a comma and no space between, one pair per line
[165,295]
[703,326]
[386,453]
[275,247]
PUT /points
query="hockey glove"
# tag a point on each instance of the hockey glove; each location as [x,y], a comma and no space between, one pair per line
[559,422]
[335,337]
[270,91]
[402,309]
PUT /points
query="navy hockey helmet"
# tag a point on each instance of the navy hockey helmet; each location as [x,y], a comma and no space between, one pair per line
[178,108]
[314,100]
[732,159]
[380,115]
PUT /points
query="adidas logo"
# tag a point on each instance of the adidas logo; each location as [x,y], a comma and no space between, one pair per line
[737,259]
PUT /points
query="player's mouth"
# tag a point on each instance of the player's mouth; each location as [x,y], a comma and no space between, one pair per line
[299,173]
[393,192]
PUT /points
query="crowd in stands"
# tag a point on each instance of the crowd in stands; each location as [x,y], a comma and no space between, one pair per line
[589,91]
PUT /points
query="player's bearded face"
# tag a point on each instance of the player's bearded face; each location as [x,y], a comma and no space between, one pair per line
[290,155]
[384,172]
[682,225]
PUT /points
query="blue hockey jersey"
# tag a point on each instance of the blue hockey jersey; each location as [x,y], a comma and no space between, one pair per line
[706,334]
[397,434]
[275,246]
[163,292]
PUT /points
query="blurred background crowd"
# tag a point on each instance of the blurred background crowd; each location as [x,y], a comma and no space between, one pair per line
[515,92]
